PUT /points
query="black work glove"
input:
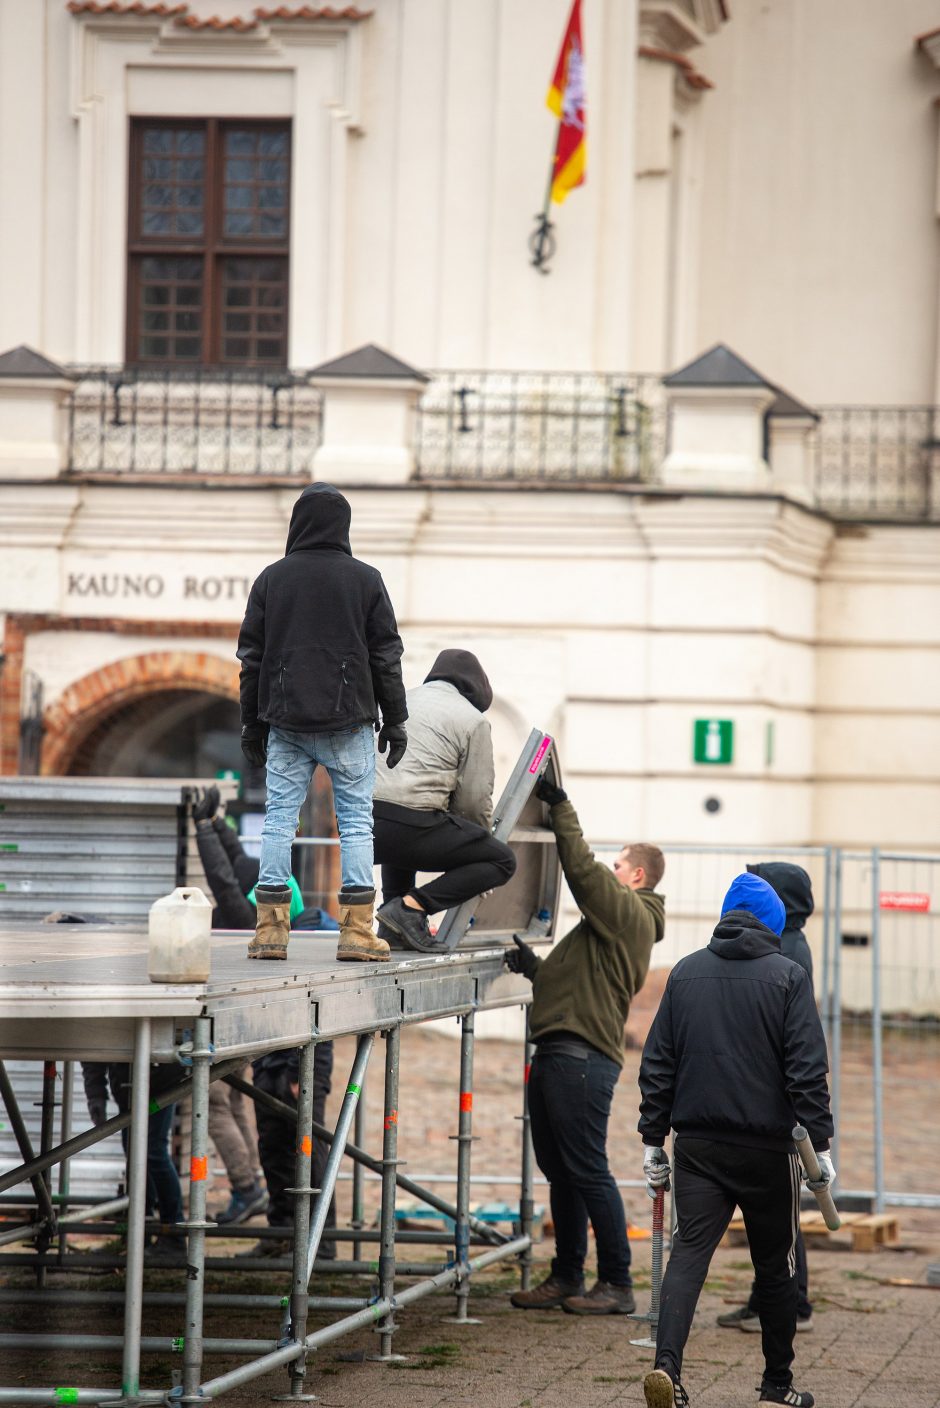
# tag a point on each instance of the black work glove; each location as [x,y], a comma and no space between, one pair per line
[524,960]
[205,808]
[394,737]
[255,744]
[547,792]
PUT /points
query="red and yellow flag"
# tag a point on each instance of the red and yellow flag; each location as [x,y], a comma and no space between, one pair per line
[567,99]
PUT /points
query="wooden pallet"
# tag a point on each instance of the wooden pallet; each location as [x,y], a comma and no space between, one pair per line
[867,1230]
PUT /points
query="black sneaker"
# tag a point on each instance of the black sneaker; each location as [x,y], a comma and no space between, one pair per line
[744,1318]
[167,1249]
[791,1397]
[269,1248]
[661,1392]
[410,925]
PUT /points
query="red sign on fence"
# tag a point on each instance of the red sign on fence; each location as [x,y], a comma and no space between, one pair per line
[904,899]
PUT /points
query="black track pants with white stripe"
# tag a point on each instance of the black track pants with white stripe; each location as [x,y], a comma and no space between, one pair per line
[711,1179]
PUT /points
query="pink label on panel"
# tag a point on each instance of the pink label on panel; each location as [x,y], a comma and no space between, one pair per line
[544,746]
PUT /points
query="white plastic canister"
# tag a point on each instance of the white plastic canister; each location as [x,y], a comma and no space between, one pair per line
[180,929]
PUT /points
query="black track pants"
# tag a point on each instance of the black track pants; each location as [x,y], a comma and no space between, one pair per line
[472,860]
[711,1179]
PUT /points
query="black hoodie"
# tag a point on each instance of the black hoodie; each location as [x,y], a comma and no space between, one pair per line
[464,671]
[319,646]
[736,1052]
[795,889]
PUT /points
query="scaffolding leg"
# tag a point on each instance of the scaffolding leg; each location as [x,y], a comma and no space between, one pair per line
[464,1145]
[197,1224]
[65,1133]
[26,1149]
[136,1212]
[358,1219]
[387,1326]
[302,1192]
[527,1181]
[46,1133]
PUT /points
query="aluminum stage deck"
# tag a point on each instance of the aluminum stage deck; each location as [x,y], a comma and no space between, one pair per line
[77,992]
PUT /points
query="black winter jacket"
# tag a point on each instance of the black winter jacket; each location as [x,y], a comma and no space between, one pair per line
[736,1052]
[319,646]
[795,888]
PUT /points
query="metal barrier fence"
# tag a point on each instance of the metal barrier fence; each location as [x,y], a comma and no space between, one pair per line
[531,426]
[877,462]
[205,421]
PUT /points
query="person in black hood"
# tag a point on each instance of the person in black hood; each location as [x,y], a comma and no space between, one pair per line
[734,1059]
[793,886]
[320,667]
[435,811]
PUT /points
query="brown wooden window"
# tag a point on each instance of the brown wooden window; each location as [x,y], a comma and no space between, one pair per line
[208,242]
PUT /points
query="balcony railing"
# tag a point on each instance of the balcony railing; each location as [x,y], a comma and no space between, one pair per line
[204,422]
[876,462]
[530,427]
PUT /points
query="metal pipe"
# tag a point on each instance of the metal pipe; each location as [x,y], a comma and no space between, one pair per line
[836,1054]
[136,1207]
[149,1344]
[389,1167]
[877,1054]
[81,1263]
[65,1133]
[464,1147]
[358,1219]
[526,1191]
[295,1327]
[221,1301]
[408,1185]
[54,1396]
[196,1226]
[350,1100]
[24,1144]
[93,1214]
[22,1232]
[97,1133]
[827,945]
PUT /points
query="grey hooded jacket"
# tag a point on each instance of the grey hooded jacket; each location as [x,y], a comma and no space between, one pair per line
[449,763]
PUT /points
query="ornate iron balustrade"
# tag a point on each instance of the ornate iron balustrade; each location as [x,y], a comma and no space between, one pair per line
[532,426]
[878,462]
[199,421]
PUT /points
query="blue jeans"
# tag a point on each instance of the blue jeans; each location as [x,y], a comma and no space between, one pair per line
[349,758]
[164,1194]
[569,1104]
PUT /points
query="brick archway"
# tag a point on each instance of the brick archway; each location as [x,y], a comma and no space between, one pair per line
[87,702]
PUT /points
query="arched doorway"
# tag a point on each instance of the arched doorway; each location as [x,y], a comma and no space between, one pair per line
[176,733]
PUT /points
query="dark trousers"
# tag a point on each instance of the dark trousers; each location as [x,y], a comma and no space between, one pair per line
[569,1105]
[277,1138]
[711,1179]
[804,1306]
[471,858]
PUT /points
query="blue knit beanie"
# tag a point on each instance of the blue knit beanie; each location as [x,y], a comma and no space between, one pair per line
[751,893]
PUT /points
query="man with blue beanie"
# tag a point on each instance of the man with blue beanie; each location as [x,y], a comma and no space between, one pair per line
[735,1058]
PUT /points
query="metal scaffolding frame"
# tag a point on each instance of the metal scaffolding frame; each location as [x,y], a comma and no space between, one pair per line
[55,1013]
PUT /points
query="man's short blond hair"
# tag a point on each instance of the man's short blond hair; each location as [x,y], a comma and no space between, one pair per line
[650,859]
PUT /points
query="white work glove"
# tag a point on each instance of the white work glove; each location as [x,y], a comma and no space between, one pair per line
[655,1169]
[827,1170]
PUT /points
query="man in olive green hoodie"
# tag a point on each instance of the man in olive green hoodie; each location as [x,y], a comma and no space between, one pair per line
[581,994]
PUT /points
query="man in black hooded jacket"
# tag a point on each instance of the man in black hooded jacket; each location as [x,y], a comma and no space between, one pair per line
[434,813]
[734,1059]
[321,666]
[793,886]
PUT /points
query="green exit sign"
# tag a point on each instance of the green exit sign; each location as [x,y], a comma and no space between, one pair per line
[713,741]
[227,775]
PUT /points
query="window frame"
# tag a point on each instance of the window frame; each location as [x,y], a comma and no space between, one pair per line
[213,247]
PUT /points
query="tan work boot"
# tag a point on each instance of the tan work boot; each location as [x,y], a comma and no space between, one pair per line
[358,942]
[272,927]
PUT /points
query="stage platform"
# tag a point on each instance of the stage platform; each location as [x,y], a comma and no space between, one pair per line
[77,991]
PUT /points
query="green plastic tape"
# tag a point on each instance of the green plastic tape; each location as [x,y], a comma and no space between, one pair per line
[66,1395]
[352,1089]
[9,846]
[154,1107]
[285,1302]
[3,887]
[177,1344]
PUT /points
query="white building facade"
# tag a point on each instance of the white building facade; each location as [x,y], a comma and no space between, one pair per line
[213,217]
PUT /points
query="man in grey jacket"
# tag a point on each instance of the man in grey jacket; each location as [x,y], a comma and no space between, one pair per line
[434,812]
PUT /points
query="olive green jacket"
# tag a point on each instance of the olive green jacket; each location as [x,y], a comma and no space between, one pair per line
[585,985]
